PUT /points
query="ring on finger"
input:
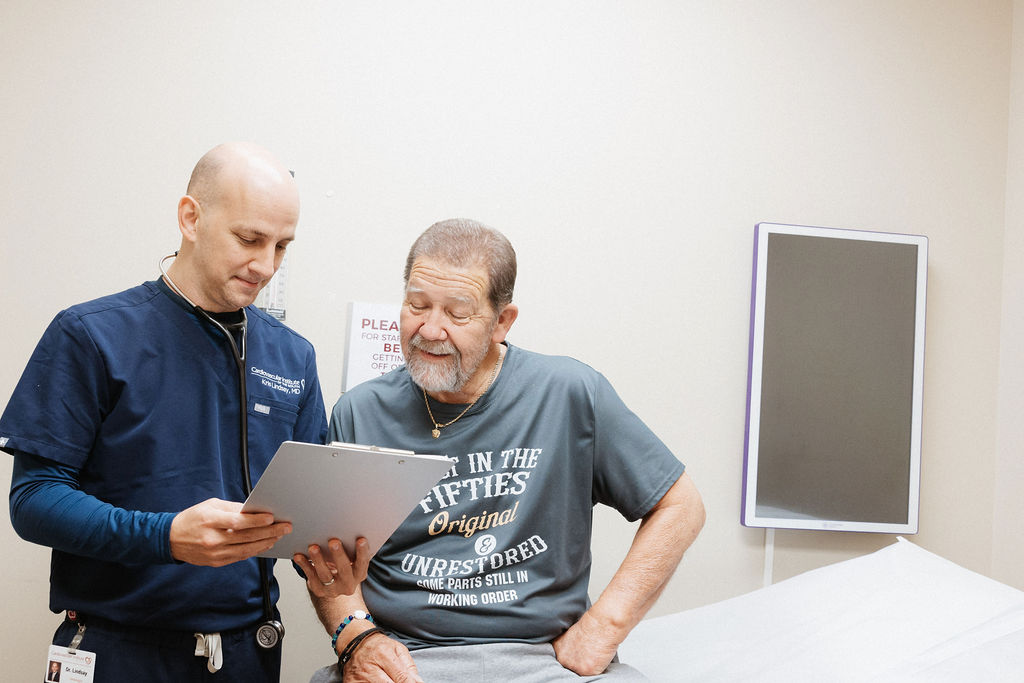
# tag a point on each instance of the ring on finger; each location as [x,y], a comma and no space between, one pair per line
[328,583]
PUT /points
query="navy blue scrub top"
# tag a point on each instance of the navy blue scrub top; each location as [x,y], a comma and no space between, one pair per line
[136,396]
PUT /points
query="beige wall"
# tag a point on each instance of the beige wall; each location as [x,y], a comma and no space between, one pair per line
[626,148]
[1008,536]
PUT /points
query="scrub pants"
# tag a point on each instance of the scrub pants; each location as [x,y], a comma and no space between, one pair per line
[126,654]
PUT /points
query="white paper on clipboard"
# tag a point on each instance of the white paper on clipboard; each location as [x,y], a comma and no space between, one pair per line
[342,491]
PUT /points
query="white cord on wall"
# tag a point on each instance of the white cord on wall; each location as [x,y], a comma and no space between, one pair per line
[769,555]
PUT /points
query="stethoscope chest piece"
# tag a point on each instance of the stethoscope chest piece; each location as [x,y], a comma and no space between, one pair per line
[269,634]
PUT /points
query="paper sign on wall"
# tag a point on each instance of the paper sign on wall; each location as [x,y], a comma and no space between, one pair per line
[272,297]
[374,347]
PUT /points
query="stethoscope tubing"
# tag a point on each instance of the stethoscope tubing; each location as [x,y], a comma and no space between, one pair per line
[238,354]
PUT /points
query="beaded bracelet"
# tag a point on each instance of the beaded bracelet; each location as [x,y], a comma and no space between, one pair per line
[358,614]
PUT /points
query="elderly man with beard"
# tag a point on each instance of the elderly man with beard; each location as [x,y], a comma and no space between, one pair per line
[487,578]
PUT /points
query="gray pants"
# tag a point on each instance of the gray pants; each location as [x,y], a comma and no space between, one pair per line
[497,663]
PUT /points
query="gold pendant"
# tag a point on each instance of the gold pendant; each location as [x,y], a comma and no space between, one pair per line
[435,432]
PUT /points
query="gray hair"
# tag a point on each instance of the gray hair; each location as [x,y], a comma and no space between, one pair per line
[463,243]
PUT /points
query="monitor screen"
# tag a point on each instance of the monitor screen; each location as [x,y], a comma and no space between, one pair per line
[835,380]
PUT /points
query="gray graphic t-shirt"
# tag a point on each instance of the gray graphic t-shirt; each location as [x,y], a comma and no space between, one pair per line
[499,550]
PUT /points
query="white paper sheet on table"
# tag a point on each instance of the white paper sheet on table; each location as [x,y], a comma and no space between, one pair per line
[899,614]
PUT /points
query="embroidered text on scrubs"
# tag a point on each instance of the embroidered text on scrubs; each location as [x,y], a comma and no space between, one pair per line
[278,383]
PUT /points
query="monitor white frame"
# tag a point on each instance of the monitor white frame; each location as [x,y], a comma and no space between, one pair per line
[749,513]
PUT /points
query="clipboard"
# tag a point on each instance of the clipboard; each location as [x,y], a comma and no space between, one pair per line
[342,491]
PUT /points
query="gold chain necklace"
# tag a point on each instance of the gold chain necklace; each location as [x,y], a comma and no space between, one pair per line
[436,431]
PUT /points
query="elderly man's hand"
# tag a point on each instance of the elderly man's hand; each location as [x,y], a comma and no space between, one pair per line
[329,572]
[586,648]
[380,658]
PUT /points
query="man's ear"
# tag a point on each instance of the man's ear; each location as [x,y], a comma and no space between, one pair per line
[507,316]
[188,217]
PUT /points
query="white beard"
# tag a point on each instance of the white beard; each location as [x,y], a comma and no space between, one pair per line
[447,376]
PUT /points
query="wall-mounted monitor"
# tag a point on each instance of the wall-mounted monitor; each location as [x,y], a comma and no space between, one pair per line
[835,380]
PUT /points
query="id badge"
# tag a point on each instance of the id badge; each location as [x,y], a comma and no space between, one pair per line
[67,666]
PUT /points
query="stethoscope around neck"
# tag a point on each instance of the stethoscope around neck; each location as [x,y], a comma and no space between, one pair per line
[271,631]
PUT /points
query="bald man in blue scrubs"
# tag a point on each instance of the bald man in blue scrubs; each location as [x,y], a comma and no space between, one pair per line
[126,432]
